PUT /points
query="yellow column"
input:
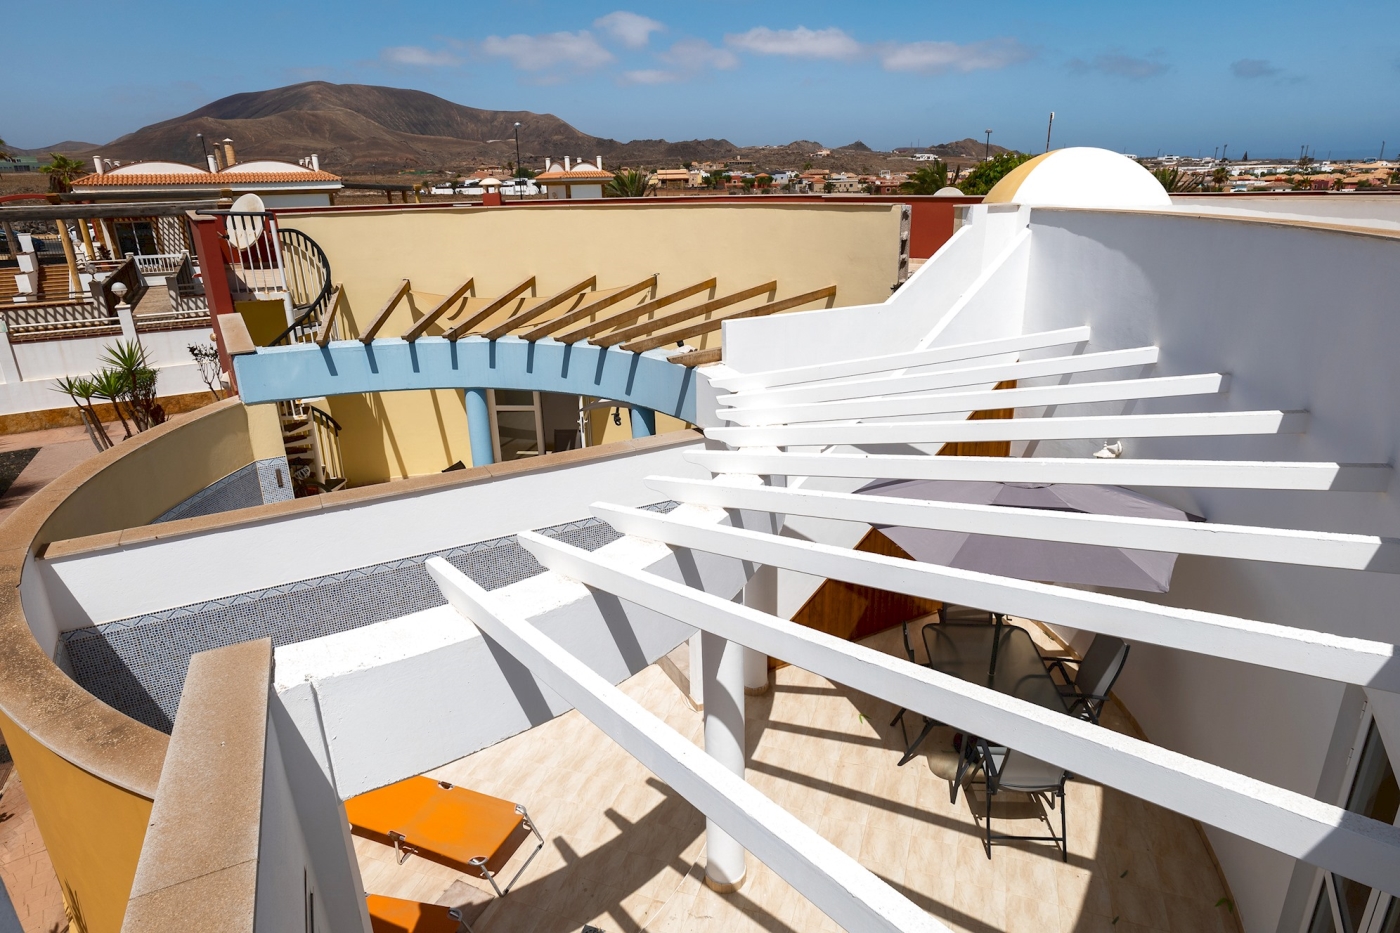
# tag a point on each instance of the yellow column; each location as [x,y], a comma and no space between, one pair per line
[74,283]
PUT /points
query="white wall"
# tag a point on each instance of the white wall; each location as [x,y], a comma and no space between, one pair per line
[1381,211]
[304,847]
[909,316]
[97,587]
[1299,318]
[384,702]
[41,361]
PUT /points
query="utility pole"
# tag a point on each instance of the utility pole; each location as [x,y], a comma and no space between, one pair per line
[520,195]
[987,150]
[1052,126]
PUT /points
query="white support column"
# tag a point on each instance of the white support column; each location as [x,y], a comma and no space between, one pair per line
[722,663]
[761,593]
[9,364]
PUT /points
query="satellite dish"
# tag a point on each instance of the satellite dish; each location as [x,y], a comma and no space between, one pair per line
[243,232]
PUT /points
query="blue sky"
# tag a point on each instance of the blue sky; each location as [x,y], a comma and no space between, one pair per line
[1127,76]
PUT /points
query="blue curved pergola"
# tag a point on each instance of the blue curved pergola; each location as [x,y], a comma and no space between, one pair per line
[646,382]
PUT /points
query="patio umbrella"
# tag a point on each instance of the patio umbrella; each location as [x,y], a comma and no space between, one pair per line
[1031,559]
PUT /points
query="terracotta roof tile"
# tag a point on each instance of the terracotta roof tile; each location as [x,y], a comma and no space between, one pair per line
[588,175]
[204,179]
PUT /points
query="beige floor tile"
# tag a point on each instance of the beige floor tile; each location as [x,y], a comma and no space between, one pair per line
[625,851]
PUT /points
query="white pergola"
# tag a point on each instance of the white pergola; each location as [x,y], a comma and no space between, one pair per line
[897,399]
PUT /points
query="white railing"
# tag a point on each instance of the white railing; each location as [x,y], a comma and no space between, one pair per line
[56,319]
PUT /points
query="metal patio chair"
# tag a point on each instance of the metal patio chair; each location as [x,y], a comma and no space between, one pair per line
[1086,688]
[1003,769]
[946,614]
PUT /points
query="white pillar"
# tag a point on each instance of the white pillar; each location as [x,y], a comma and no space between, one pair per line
[9,365]
[697,679]
[722,662]
[761,593]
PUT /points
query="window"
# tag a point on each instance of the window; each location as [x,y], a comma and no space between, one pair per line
[1343,905]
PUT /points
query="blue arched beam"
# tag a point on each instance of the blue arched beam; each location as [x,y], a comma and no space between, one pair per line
[345,367]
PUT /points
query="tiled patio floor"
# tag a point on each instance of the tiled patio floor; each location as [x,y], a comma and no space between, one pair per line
[624,853]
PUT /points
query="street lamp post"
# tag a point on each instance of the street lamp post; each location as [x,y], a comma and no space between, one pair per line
[518,173]
[203,148]
[987,150]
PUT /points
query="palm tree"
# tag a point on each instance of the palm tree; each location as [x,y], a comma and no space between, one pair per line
[111,385]
[629,183]
[81,390]
[1220,175]
[138,382]
[1176,181]
[927,179]
[61,171]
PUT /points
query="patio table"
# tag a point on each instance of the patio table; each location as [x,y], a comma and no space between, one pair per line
[1002,657]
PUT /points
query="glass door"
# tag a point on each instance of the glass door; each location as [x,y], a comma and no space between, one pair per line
[517,425]
[1340,904]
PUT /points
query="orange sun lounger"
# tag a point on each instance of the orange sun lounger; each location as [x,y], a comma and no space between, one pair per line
[396,915]
[473,833]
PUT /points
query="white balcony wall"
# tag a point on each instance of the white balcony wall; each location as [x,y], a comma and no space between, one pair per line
[41,361]
[909,316]
[104,586]
[387,701]
[1301,319]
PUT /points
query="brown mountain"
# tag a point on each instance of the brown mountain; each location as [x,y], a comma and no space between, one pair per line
[357,128]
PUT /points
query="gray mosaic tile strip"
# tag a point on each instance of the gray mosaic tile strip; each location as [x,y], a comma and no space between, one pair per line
[274,479]
[238,490]
[138,665]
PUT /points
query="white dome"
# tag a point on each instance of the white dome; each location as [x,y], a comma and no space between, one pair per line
[947,191]
[156,168]
[1080,177]
[267,165]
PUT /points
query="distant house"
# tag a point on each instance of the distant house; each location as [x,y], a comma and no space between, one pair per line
[674,178]
[277,183]
[19,164]
[846,184]
[573,180]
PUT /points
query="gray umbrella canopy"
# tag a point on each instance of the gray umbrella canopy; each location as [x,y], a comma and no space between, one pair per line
[1029,559]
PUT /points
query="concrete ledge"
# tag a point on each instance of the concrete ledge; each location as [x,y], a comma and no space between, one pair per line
[349,498]
[198,868]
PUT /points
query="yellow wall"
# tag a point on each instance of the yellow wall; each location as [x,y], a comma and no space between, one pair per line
[93,831]
[391,435]
[804,246]
[161,469]
[266,319]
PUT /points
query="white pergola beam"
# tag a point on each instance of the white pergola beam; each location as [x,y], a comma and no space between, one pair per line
[1318,654]
[943,379]
[1240,542]
[1192,424]
[836,883]
[1033,397]
[840,369]
[1347,843]
[1203,474]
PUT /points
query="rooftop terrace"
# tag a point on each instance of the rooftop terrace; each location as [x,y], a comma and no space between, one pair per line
[624,852]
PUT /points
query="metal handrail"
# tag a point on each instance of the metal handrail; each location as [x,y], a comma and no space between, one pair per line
[314,411]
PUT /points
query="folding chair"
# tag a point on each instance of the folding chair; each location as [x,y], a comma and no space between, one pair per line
[396,915]
[473,833]
[1086,689]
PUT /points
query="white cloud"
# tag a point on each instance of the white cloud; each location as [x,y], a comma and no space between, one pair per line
[801,42]
[1253,68]
[631,29]
[941,57]
[578,50]
[418,57]
[697,55]
[1120,65]
[649,76]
